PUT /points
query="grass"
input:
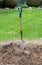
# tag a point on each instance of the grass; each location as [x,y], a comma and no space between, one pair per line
[9,24]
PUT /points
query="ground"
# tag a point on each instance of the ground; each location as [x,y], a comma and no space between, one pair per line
[21,54]
[10,28]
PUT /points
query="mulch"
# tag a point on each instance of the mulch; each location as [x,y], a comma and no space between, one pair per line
[13,54]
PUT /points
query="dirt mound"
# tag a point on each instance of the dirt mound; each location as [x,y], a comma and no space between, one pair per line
[12,54]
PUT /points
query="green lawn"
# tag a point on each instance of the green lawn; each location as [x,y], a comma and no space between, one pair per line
[9,24]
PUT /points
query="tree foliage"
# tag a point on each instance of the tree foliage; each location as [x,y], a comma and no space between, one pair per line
[10,3]
[34,2]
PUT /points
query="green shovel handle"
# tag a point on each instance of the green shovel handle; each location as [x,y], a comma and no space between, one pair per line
[20,12]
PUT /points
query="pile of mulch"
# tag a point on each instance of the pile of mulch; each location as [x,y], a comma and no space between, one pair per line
[13,54]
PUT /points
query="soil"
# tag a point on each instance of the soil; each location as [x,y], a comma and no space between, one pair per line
[21,54]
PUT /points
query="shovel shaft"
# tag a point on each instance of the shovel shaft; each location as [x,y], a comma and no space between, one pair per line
[21,28]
